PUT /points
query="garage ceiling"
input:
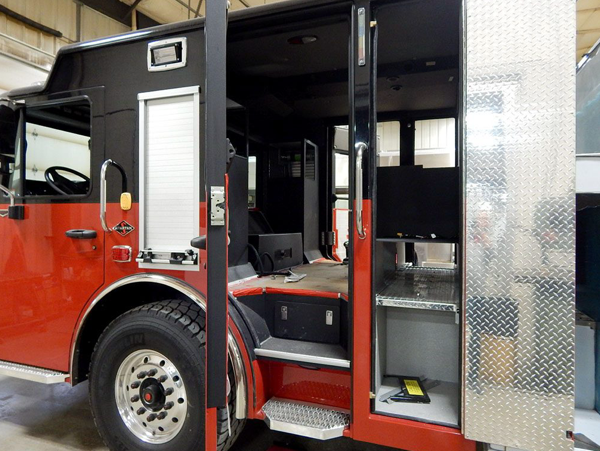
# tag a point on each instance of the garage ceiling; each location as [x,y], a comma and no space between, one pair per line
[165,11]
[588,25]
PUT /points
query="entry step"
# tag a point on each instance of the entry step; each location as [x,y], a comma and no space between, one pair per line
[320,354]
[306,420]
[32,373]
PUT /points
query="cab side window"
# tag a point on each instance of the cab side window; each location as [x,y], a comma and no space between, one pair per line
[9,119]
[54,156]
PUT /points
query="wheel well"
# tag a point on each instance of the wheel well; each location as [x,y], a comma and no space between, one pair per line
[107,310]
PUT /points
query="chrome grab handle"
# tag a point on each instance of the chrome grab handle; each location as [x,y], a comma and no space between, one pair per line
[105,166]
[9,193]
[358,184]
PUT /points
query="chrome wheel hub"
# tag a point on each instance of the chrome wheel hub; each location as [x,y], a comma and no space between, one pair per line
[150,396]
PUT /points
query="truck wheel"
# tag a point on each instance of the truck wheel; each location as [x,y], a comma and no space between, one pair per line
[147,381]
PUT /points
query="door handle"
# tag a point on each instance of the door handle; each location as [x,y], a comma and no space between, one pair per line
[81,234]
[358,188]
[199,242]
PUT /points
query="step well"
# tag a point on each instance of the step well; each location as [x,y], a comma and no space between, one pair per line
[304,419]
[32,373]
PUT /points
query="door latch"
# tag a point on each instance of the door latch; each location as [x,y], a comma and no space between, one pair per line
[329,318]
[217,206]
[284,313]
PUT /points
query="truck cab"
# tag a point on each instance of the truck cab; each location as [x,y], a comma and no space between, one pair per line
[349,219]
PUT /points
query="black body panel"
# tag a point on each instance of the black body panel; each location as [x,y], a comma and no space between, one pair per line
[418,202]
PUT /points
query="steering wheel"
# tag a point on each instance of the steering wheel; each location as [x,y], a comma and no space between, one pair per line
[63,185]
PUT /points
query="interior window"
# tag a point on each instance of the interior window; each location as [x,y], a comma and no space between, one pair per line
[388,143]
[54,157]
[435,143]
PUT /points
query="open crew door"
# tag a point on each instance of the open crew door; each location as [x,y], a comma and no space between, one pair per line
[519,140]
[216,157]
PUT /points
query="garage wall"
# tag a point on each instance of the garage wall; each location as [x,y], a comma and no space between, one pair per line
[32,51]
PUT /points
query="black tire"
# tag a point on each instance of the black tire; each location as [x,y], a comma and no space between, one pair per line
[176,329]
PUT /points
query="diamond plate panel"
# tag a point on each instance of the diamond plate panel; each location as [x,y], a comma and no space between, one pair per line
[519,143]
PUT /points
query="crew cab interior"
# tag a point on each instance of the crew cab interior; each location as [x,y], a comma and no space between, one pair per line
[290,203]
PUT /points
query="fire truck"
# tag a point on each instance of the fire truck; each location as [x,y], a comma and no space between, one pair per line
[343,218]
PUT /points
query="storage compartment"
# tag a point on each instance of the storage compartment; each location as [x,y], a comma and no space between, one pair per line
[418,338]
[307,321]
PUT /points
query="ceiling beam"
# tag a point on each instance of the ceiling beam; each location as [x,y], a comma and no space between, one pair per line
[588,10]
[132,8]
[115,10]
[588,30]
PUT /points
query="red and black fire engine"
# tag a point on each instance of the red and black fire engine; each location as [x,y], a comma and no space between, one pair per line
[345,218]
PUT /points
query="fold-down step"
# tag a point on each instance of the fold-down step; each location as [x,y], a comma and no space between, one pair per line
[306,420]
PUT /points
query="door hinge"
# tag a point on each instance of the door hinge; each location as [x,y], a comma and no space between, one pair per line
[328,238]
[217,206]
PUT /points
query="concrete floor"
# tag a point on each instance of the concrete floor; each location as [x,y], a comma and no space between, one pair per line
[35,417]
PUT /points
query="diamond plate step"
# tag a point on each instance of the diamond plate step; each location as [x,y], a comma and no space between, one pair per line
[307,420]
[31,373]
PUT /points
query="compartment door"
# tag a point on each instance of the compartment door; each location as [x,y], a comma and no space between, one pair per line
[519,237]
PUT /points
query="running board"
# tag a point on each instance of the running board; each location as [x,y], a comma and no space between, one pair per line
[32,373]
[306,420]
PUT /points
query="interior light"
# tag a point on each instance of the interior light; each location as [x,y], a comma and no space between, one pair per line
[301,40]
[430,63]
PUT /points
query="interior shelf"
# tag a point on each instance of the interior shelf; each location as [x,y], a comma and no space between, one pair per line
[418,240]
[421,288]
[443,408]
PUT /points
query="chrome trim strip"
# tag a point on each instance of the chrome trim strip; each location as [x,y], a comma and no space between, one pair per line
[303,358]
[32,373]
[241,402]
[195,296]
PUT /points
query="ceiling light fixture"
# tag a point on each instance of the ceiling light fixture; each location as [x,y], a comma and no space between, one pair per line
[301,40]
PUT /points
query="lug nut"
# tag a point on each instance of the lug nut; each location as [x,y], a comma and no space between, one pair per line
[142,374]
[152,373]
[135,385]
[169,405]
[141,411]
[151,417]
[163,378]
[135,398]
[168,391]
[162,415]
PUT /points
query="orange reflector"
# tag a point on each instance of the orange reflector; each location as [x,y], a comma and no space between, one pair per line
[121,254]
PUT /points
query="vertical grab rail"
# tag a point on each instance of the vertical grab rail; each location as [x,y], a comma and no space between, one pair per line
[358,183]
[103,170]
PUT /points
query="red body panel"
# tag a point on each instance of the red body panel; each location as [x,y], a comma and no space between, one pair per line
[46,280]
[366,426]
[327,387]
